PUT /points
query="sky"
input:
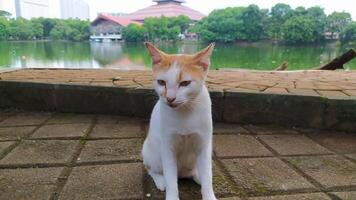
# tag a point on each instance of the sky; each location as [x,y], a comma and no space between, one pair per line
[206,6]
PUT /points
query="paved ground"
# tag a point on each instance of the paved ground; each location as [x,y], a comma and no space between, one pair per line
[332,84]
[67,156]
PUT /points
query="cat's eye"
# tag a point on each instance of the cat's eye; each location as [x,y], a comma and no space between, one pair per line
[184,83]
[161,82]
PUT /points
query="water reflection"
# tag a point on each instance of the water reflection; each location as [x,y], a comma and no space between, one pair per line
[134,56]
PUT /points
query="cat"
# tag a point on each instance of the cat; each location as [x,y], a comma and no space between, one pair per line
[179,140]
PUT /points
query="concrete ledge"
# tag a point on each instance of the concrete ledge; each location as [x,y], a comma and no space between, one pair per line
[230,106]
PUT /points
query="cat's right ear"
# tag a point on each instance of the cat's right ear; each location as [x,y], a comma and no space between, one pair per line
[156,54]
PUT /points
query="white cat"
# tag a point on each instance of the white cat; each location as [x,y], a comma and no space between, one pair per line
[179,142]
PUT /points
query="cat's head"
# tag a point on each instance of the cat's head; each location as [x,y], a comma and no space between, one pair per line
[179,78]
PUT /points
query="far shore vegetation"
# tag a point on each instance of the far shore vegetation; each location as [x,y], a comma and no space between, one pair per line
[281,24]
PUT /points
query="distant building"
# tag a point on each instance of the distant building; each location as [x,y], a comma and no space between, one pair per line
[108,28]
[76,9]
[168,8]
[8,6]
[62,9]
[32,8]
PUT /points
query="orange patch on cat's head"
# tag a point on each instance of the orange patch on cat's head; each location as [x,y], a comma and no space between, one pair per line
[195,65]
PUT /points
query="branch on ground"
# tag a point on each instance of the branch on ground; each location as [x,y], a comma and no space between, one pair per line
[338,63]
[282,67]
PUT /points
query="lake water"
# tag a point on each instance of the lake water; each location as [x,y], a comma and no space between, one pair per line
[261,56]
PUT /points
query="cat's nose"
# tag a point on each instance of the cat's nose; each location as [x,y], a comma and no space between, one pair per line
[170,100]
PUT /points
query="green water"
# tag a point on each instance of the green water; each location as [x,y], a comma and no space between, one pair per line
[261,56]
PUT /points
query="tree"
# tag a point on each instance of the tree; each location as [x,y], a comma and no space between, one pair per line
[279,14]
[134,33]
[319,19]
[337,21]
[349,33]
[165,28]
[223,25]
[47,24]
[21,29]
[36,28]
[5,14]
[70,29]
[4,28]
[182,22]
[252,19]
[299,29]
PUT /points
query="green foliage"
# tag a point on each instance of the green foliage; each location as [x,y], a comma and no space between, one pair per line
[349,33]
[70,29]
[4,28]
[134,33]
[39,28]
[4,13]
[337,21]
[279,14]
[299,29]
[282,23]
[165,28]
[223,25]
[253,23]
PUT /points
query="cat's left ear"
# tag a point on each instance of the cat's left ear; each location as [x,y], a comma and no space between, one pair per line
[203,57]
[156,54]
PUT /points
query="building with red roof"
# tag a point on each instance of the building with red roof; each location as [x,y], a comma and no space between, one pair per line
[168,8]
[108,27]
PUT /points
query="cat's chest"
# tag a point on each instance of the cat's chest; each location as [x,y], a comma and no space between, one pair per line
[187,125]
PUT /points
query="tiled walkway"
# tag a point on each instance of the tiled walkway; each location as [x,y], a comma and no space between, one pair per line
[68,156]
[333,84]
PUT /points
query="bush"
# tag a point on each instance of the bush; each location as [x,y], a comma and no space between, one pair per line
[134,33]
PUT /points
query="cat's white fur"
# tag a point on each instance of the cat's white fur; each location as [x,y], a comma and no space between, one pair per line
[179,141]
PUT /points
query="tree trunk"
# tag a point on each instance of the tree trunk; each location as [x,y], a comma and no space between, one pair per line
[338,63]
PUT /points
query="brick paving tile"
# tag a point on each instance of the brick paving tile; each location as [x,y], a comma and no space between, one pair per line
[116,130]
[338,142]
[303,92]
[293,144]
[329,171]
[29,184]
[15,133]
[119,181]
[350,92]
[105,150]
[261,175]
[309,196]
[222,128]
[66,118]
[330,94]
[114,119]
[61,130]
[21,119]
[353,156]
[346,195]
[4,146]
[29,152]
[269,130]
[188,189]
[238,145]
[275,90]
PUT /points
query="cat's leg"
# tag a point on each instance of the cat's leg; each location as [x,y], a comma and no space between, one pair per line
[204,166]
[195,176]
[169,164]
[152,162]
[158,179]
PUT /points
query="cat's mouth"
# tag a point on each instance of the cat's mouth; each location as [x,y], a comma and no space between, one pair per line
[174,105]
